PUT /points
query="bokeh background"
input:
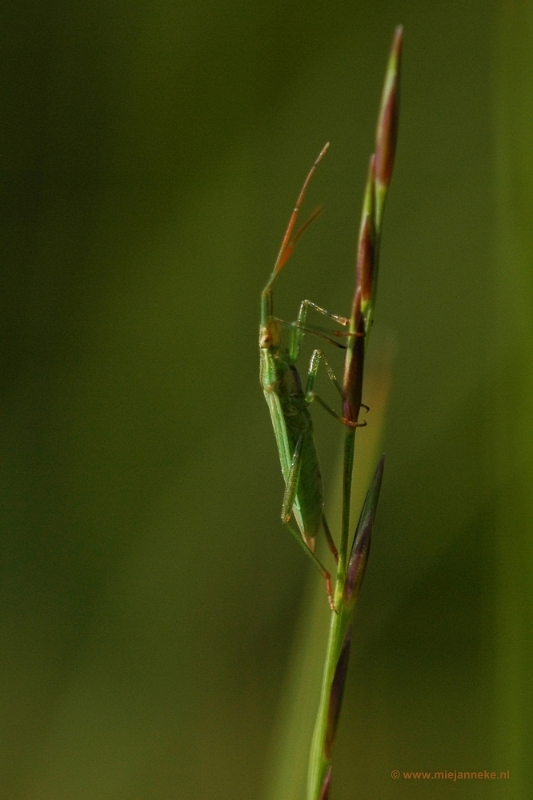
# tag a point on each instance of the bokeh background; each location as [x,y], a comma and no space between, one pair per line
[160,632]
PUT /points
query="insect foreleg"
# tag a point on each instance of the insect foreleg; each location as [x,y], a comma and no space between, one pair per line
[330,336]
[300,326]
[305,305]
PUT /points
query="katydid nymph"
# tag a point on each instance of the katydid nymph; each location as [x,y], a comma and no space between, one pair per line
[288,401]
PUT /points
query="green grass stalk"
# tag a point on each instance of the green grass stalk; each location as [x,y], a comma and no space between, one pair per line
[350,571]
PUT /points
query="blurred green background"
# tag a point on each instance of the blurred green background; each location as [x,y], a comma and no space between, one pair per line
[150,599]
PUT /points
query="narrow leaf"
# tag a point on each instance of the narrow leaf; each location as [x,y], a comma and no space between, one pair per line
[335,695]
[361,542]
[324,792]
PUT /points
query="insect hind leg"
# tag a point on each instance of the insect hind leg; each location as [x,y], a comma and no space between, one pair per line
[329,539]
[318,564]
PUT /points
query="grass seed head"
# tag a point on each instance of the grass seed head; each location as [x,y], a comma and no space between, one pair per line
[387,127]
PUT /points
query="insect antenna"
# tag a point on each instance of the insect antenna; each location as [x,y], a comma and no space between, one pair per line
[288,244]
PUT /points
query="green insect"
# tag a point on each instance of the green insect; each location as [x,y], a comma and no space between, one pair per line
[288,401]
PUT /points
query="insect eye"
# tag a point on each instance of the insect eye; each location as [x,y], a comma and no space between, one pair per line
[266,340]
